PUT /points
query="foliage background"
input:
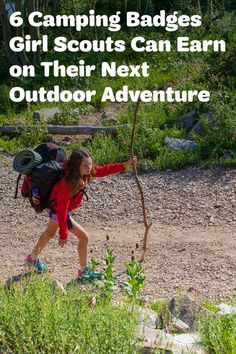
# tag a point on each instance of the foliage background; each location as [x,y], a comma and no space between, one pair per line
[207,70]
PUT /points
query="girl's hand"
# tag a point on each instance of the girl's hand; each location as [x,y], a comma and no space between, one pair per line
[131,161]
[62,243]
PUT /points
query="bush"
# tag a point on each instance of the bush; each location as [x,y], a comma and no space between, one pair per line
[219,133]
[36,317]
[218,334]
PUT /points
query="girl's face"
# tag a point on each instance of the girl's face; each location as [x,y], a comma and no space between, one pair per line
[86,166]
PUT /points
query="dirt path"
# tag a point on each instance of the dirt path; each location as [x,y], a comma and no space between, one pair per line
[192,242]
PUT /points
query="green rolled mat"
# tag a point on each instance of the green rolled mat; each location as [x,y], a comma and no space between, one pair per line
[26,160]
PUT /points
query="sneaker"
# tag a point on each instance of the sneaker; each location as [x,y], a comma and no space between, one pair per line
[88,275]
[37,263]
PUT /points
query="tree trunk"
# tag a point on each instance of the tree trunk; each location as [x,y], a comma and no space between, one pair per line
[20,33]
[222,3]
[209,7]
[149,7]
[66,130]
[6,29]
[139,6]
[32,6]
[125,6]
[197,5]
[55,7]
[95,27]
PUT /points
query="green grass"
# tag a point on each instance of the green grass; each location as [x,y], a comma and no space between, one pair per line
[217,332]
[159,305]
[36,317]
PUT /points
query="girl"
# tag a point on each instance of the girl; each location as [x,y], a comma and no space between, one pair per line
[66,196]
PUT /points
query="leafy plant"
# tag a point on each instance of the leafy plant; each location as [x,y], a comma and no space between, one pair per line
[66,117]
[135,277]
[218,333]
[107,283]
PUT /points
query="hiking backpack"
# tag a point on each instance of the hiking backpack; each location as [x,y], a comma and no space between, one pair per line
[42,168]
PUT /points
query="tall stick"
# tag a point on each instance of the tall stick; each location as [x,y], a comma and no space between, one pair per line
[137,180]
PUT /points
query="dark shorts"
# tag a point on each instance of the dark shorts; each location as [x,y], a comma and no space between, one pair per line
[55,218]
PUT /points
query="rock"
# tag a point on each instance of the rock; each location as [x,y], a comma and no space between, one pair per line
[218,205]
[45,114]
[75,112]
[177,343]
[147,317]
[225,309]
[145,298]
[187,343]
[188,120]
[180,144]
[228,156]
[186,310]
[179,325]
[107,115]
[36,116]
[164,318]
[198,128]
[67,139]
[110,121]
[212,219]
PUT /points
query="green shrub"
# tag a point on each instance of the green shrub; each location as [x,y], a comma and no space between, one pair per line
[218,334]
[176,159]
[104,149]
[219,136]
[36,317]
[66,117]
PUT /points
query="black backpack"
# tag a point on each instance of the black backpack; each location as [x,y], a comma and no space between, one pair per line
[46,171]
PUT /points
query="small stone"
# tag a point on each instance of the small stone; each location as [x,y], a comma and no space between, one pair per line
[218,205]
[225,309]
[36,116]
[180,325]
[145,299]
[67,139]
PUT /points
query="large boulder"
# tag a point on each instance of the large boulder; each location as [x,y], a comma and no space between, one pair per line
[45,114]
[186,310]
[188,119]
[198,128]
[180,144]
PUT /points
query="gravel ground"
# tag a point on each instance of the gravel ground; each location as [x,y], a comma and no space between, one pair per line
[191,243]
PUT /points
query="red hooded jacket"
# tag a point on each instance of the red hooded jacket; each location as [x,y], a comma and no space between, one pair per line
[63,201]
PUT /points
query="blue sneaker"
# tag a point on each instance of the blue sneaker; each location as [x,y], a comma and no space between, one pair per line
[88,275]
[37,263]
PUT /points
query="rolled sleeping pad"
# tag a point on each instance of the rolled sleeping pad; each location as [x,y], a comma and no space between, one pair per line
[26,160]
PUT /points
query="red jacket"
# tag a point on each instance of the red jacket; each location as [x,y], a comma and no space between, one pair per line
[63,201]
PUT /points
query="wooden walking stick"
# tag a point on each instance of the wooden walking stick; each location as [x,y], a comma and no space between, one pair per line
[137,180]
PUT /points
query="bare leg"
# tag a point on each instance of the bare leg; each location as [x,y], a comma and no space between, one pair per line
[83,238]
[45,237]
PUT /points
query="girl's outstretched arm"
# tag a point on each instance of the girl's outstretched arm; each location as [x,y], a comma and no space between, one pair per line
[109,169]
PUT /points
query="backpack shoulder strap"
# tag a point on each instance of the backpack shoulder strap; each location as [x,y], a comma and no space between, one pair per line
[17,185]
